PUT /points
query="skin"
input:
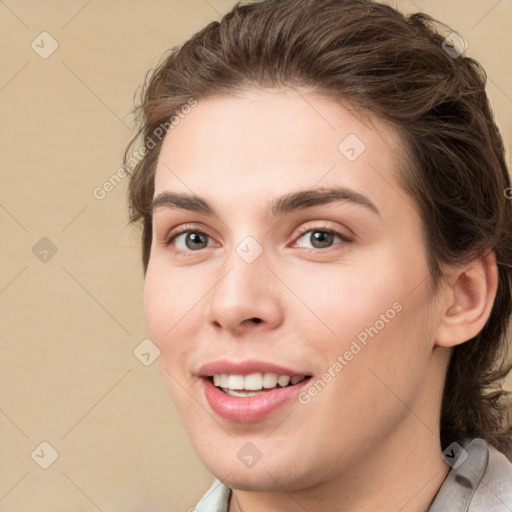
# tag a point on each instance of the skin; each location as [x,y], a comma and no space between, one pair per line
[370,439]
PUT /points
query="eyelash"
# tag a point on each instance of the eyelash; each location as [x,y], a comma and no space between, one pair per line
[323,229]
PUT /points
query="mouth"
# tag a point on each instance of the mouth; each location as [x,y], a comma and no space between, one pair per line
[250,391]
[254,384]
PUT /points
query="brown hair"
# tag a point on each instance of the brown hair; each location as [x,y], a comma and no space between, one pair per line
[399,68]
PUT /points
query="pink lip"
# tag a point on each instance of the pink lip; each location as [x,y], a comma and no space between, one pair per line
[249,409]
[245,368]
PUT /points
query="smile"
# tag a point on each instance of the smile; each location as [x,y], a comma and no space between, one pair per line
[249,391]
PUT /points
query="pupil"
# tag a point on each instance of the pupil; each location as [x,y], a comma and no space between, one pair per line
[322,238]
[195,238]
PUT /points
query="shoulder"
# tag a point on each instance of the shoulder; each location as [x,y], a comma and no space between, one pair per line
[480,480]
[495,489]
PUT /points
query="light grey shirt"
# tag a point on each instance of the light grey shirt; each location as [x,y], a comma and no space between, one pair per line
[481,483]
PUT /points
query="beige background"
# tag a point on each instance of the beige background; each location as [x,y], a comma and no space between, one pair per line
[69,325]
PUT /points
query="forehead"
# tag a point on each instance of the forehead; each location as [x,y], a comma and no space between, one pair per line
[271,141]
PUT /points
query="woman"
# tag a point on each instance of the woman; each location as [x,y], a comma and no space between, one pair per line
[327,247]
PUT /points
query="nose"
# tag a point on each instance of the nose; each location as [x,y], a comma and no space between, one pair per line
[246,296]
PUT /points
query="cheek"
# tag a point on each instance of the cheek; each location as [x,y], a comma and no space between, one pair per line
[174,302]
[384,359]
[168,302]
[156,302]
[342,301]
[166,316]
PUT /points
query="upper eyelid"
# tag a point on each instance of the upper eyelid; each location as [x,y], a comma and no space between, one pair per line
[321,227]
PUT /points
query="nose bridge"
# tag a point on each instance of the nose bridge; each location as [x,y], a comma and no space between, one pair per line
[245,289]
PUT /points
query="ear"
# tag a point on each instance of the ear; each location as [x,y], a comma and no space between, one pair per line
[468,302]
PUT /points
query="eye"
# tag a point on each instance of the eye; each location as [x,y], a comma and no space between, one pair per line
[191,240]
[321,237]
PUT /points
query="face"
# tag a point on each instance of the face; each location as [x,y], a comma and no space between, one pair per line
[290,299]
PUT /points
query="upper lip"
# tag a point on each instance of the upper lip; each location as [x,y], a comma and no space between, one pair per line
[224,366]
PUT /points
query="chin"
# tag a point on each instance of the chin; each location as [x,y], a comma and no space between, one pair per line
[265,481]
[274,474]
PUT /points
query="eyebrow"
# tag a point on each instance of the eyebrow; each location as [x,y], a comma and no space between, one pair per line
[288,203]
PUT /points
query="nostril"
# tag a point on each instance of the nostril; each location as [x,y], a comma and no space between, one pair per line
[256,320]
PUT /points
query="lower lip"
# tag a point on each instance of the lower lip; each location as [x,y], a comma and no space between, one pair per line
[248,409]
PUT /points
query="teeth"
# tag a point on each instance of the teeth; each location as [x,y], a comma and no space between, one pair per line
[253,382]
[240,393]
[283,381]
[270,380]
[236,382]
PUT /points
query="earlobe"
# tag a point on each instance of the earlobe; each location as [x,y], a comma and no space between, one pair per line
[468,302]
